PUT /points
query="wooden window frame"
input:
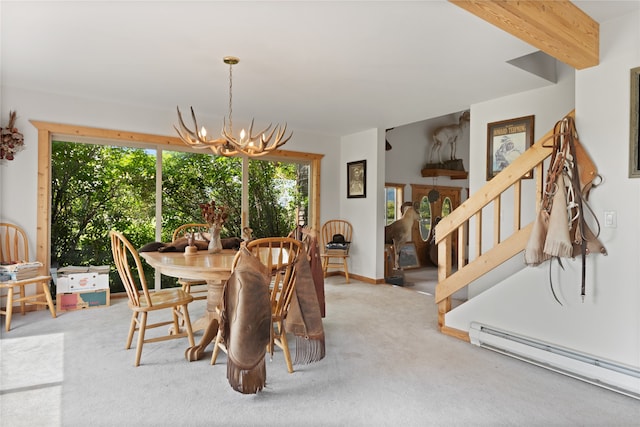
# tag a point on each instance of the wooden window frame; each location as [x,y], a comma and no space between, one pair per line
[47,131]
[634,125]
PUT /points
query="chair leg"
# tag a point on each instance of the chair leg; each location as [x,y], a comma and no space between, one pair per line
[47,295]
[141,330]
[272,338]
[175,329]
[187,325]
[325,265]
[346,269]
[285,347]
[22,303]
[9,308]
[132,329]
[186,286]
[216,347]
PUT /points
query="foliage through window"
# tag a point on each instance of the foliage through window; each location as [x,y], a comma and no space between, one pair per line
[394,196]
[424,222]
[96,188]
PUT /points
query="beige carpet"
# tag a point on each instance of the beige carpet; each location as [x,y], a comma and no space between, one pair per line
[386,365]
[424,280]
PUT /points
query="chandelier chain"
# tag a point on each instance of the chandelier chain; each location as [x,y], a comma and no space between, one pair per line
[230,98]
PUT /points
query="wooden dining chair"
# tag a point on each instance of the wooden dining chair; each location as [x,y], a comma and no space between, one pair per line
[279,255]
[335,253]
[14,247]
[141,301]
[203,231]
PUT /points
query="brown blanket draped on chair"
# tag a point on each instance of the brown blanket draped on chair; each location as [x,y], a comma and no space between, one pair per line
[305,318]
[313,250]
[309,239]
[245,322]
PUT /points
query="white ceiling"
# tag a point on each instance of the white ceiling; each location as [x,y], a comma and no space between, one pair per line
[328,67]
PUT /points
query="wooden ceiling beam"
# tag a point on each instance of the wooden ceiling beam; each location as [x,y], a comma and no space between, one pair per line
[559,28]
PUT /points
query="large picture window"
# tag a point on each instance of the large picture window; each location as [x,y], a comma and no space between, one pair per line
[146,189]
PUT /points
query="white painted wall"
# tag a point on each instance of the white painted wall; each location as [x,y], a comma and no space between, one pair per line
[365,214]
[411,150]
[607,324]
[548,105]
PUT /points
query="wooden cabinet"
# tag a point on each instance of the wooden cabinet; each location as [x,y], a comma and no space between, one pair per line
[448,198]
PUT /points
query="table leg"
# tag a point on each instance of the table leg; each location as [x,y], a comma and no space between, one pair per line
[208,322]
[203,322]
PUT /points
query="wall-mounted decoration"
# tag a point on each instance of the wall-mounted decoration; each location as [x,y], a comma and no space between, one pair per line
[634,129]
[357,179]
[506,140]
[446,138]
[12,141]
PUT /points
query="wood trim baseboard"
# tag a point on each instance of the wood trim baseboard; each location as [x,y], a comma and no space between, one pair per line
[355,276]
[456,333]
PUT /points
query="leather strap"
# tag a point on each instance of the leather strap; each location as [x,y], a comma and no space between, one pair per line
[575,182]
[570,160]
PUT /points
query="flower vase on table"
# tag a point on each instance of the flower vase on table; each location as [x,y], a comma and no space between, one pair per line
[215,244]
[215,216]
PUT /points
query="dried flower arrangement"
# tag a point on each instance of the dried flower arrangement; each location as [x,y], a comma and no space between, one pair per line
[12,140]
[213,214]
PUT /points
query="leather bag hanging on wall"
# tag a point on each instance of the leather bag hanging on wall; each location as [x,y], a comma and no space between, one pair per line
[561,229]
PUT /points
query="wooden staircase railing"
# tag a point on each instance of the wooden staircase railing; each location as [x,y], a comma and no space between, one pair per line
[503,249]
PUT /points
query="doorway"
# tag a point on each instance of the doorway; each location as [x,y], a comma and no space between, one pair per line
[434,203]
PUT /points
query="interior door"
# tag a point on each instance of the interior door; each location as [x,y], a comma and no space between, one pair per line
[431,209]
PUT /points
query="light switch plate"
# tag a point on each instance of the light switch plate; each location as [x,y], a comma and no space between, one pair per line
[610,220]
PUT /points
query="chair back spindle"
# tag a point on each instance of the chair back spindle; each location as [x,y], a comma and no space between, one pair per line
[279,256]
[123,251]
[195,228]
[200,231]
[14,248]
[141,301]
[13,243]
[335,256]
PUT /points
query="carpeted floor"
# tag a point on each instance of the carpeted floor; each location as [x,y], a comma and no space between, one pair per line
[386,365]
[424,280]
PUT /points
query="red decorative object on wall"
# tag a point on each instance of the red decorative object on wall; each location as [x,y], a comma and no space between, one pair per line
[12,140]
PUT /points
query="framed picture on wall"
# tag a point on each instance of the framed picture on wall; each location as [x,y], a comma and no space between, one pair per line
[634,125]
[506,140]
[357,179]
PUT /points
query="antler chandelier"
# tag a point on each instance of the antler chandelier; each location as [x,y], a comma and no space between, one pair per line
[249,144]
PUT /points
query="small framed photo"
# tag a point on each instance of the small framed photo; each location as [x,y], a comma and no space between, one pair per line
[408,256]
[357,179]
[506,140]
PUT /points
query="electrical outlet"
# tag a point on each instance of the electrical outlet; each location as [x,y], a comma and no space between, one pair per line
[610,220]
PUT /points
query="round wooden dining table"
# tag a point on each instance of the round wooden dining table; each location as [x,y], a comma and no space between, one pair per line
[214,268]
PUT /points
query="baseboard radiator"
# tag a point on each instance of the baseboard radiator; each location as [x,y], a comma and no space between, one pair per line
[611,375]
